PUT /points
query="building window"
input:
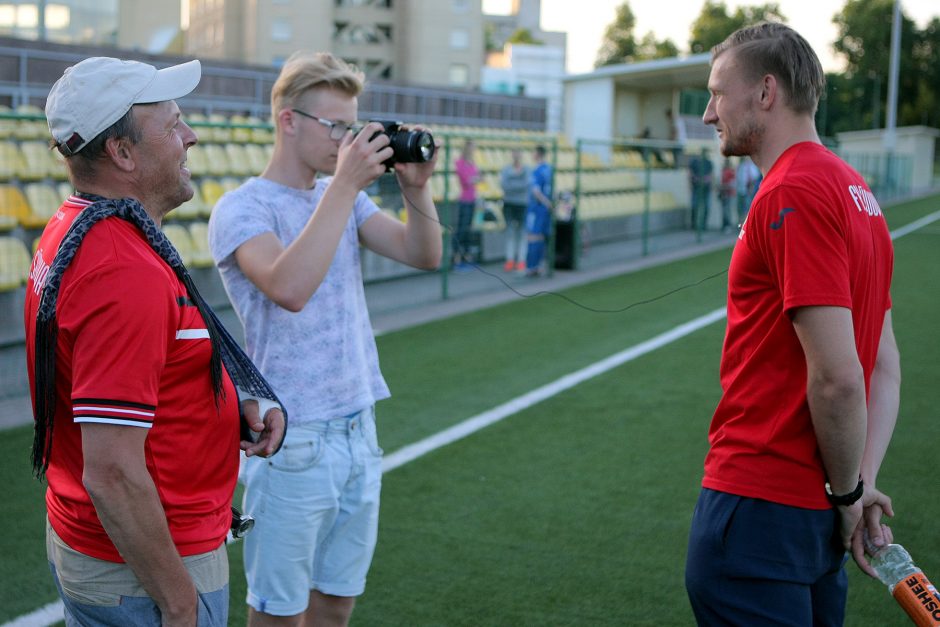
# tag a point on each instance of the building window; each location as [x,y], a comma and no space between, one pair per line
[459,75]
[459,39]
[461,6]
[280,29]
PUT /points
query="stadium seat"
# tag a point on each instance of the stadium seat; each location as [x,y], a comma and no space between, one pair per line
[30,129]
[6,124]
[197,161]
[40,162]
[199,235]
[257,158]
[181,240]
[43,200]
[217,160]
[211,192]
[11,160]
[14,262]
[13,204]
[221,132]
[238,159]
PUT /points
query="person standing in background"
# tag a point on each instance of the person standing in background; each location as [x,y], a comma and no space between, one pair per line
[468,174]
[538,218]
[514,179]
[726,194]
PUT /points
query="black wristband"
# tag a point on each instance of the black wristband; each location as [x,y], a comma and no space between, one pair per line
[845,499]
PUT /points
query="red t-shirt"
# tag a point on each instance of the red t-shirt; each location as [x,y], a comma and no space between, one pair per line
[132,350]
[815,235]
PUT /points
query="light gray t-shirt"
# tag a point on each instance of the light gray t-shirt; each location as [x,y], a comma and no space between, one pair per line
[322,361]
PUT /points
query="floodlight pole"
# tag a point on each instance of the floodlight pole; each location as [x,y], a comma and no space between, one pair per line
[890,135]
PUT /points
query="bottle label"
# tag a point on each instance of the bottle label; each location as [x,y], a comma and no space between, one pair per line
[919,599]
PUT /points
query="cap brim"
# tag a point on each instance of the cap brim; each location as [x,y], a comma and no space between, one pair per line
[171,83]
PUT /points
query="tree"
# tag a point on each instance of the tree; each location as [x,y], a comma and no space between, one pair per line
[651,48]
[523,36]
[620,45]
[858,99]
[714,23]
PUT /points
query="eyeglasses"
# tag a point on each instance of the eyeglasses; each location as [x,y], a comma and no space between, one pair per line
[338,130]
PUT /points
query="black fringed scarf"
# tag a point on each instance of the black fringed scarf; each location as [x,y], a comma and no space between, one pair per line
[225,350]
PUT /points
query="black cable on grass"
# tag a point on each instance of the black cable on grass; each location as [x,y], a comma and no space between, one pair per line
[461,251]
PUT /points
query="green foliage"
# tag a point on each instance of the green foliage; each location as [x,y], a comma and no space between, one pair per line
[714,23]
[856,100]
[523,36]
[651,48]
[620,44]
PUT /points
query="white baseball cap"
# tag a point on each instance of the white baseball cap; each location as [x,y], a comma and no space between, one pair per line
[97,92]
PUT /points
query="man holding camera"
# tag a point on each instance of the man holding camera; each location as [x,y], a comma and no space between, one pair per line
[287,246]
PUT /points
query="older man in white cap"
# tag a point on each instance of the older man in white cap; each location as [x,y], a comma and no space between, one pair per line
[133,379]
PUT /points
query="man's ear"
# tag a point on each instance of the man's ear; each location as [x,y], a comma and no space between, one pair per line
[768,92]
[118,150]
[287,121]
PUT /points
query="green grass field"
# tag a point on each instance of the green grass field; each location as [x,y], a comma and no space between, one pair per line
[576,510]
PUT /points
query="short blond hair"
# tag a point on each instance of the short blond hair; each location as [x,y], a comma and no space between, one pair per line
[771,48]
[304,71]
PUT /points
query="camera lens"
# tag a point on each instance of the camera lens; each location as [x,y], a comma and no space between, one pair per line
[412,146]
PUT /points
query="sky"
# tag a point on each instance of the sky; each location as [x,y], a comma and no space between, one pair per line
[586,20]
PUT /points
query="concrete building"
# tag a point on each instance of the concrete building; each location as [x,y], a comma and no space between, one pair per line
[423,42]
[536,69]
[151,26]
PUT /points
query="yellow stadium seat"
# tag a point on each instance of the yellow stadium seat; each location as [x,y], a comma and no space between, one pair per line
[40,162]
[257,158]
[43,200]
[211,192]
[181,240]
[199,235]
[14,262]
[197,161]
[223,132]
[238,159]
[6,124]
[13,204]
[217,160]
[30,129]
[12,163]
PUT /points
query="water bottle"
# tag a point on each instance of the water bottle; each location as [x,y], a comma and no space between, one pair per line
[907,583]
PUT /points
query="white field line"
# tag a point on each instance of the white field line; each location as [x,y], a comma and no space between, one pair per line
[52,613]
[472,425]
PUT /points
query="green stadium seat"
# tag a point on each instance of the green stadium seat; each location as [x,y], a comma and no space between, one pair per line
[14,262]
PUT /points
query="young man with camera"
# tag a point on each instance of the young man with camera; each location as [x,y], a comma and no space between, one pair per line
[287,246]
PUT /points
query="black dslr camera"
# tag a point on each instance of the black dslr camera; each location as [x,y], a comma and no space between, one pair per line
[407,146]
[241,524]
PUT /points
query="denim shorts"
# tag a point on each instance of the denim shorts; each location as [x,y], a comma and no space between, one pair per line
[97,593]
[316,510]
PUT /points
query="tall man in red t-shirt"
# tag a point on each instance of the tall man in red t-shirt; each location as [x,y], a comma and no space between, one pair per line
[137,421]
[809,371]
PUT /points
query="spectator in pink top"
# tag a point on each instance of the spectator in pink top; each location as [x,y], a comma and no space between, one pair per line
[469,175]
